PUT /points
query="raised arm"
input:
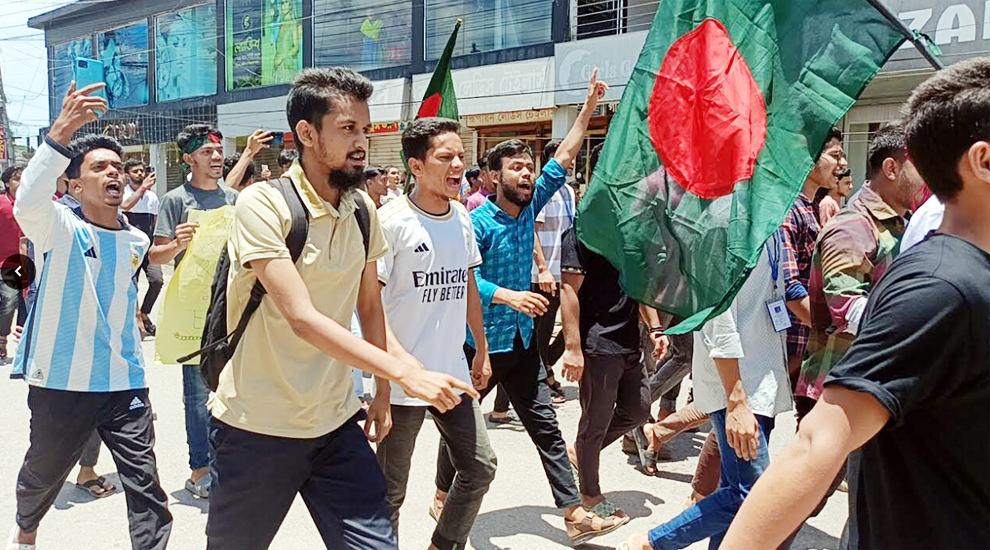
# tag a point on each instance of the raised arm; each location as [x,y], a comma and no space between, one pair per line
[255,143]
[33,207]
[571,144]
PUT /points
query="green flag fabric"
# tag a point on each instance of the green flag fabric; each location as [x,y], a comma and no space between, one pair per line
[439,99]
[724,116]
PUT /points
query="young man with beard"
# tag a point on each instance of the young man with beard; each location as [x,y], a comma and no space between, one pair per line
[141,207]
[852,255]
[798,233]
[503,228]
[285,416]
[81,351]
[430,295]
[911,398]
[202,152]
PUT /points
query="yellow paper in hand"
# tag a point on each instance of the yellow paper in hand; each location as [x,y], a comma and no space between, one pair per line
[183,312]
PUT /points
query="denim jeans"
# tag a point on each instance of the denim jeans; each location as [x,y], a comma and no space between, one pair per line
[194,396]
[711,517]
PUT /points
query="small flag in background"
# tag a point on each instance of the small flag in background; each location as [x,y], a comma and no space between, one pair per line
[439,99]
[722,120]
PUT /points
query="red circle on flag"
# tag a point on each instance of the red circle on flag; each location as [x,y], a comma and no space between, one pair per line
[707,118]
[430,106]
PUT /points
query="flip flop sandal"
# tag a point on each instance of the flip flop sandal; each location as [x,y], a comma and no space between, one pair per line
[510,419]
[11,545]
[647,458]
[592,526]
[94,485]
[200,488]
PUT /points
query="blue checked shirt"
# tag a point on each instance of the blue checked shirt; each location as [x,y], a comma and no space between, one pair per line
[506,245]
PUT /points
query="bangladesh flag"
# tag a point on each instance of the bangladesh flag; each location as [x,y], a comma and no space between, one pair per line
[720,124]
[439,99]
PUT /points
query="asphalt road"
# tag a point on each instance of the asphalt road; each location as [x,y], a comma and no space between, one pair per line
[517,514]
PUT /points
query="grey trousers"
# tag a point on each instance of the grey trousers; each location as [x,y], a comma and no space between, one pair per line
[615,398]
[463,430]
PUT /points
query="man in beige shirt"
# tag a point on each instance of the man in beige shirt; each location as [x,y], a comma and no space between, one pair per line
[285,417]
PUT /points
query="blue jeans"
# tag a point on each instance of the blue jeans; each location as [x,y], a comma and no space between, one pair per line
[194,395]
[711,517]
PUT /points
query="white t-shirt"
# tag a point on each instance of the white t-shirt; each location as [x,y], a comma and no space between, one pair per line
[147,204]
[927,219]
[425,273]
[557,217]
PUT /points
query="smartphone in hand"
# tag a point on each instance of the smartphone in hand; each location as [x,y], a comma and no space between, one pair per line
[88,72]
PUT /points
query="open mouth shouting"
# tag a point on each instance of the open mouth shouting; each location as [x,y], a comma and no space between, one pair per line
[114,190]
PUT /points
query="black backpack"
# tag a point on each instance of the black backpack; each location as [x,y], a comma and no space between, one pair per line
[218,343]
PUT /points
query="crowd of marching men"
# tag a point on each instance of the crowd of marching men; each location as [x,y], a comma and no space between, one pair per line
[869,319]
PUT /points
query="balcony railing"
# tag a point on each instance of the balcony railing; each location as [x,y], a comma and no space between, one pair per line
[608,17]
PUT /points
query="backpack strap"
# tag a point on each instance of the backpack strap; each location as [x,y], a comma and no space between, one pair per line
[295,241]
[364,221]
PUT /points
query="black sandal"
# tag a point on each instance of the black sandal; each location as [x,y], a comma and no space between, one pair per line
[93,485]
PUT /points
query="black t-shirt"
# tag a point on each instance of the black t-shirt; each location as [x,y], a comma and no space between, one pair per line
[924,353]
[609,318]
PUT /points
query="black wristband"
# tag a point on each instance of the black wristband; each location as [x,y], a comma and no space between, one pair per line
[656,330]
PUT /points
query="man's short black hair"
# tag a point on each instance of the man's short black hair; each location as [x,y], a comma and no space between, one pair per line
[194,131]
[11,173]
[473,172]
[887,142]
[287,157]
[505,149]
[483,161]
[417,139]
[314,92]
[834,134]
[81,146]
[131,163]
[373,172]
[549,150]
[228,164]
[944,117]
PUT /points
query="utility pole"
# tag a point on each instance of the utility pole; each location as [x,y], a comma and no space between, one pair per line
[7,149]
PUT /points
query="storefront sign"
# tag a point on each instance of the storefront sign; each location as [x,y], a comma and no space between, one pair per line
[512,117]
[388,100]
[615,57]
[961,28]
[387,127]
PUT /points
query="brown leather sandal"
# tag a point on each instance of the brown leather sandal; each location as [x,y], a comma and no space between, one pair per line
[592,525]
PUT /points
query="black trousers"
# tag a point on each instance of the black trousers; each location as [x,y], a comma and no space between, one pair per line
[155,283]
[550,348]
[61,424]
[256,477]
[615,398]
[521,373]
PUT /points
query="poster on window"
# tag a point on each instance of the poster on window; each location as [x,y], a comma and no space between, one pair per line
[264,42]
[124,53]
[64,65]
[281,44]
[244,21]
[186,53]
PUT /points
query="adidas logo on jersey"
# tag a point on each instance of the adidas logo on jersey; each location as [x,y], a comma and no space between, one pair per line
[422,248]
[91,253]
[136,403]
[38,375]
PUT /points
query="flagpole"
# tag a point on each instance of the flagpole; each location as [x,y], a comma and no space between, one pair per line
[908,33]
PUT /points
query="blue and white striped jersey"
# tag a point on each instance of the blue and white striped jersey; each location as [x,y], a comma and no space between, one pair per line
[81,334]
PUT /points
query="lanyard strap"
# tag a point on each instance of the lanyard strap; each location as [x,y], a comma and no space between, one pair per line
[774,256]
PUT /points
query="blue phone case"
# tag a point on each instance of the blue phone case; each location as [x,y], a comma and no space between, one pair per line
[88,72]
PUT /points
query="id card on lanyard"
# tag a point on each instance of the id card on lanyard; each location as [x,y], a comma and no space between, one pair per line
[777,307]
